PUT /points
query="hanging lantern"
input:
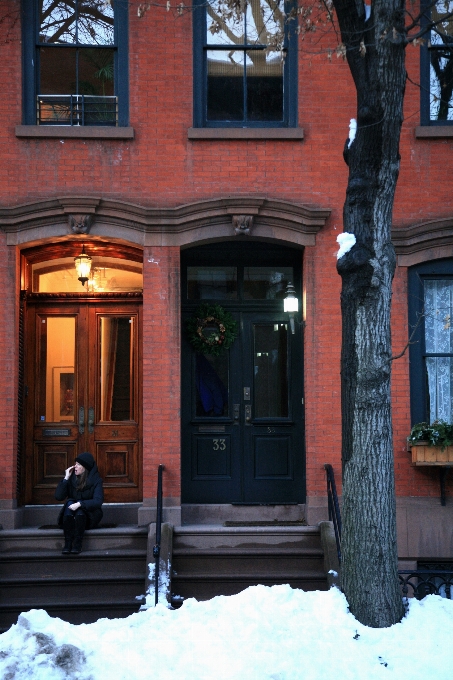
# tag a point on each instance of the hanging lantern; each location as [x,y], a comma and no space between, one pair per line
[82,264]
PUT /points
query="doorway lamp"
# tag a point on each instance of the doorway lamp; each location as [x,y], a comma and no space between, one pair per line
[82,264]
[291,304]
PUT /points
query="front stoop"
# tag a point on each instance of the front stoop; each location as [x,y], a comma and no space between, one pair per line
[215,560]
[103,581]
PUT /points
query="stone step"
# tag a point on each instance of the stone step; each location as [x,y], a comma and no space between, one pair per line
[54,591]
[211,560]
[22,540]
[246,537]
[55,565]
[104,580]
[207,587]
[248,561]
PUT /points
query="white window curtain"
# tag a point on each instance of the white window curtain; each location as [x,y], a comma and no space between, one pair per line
[439,340]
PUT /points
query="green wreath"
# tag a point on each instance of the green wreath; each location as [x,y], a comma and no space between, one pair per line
[216,341]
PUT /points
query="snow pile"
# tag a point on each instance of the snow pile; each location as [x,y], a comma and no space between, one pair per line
[163,586]
[345,241]
[263,633]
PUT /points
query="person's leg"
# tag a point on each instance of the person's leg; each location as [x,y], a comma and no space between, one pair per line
[68,528]
[80,521]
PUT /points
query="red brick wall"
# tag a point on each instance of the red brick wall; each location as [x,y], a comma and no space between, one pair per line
[8,372]
[161,370]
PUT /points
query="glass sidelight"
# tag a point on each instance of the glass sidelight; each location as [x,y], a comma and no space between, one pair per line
[117,368]
[270,347]
[57,368]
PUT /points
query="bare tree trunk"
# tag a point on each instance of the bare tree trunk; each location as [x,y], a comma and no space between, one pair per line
[375,53]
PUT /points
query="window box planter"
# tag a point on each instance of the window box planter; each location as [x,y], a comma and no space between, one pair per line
[425,454]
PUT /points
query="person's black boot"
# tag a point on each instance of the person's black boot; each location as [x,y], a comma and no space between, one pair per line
[80,524]
[68,528]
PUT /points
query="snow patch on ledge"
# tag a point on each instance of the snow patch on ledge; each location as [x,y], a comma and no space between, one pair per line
[345,241]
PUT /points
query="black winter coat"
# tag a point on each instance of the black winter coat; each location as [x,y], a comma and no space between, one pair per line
[90,497]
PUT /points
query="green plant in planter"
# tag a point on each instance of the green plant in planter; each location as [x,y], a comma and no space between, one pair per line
[439,433]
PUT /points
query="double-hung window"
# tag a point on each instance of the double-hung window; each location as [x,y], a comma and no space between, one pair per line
[437,67]
[431,349]
[245,64]
[75,62]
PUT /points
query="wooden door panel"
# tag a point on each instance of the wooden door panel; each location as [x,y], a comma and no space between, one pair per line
[272,457]
[211,456]
[70,406]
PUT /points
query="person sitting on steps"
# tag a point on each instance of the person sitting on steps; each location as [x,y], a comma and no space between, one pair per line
[82,486]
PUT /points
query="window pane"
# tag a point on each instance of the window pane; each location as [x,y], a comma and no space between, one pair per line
[270,371]
[225,95]
[441,64]
[59,25]
[223,26]
[56,392]
[57,22]
[440,388]
[438,314]
[95,24]
[117,342]
[211,283]
[264,86]
[211,380]
[96,72]
[58,71]
[107,275]
[438,305]
[266,283]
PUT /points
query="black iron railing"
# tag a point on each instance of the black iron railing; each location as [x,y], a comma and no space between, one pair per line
[76,109]
[156,548]
[433,578]
[421,582]
[334,506]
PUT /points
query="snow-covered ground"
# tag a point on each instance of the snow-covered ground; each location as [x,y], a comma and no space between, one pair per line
[263,633]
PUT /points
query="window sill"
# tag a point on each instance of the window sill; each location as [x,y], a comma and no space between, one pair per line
[433,131]
[245,133]
[75,132]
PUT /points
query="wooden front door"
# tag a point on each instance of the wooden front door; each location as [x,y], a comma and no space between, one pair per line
[82,393]
[242,411]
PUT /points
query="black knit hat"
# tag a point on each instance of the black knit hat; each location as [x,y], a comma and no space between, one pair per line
[87,460]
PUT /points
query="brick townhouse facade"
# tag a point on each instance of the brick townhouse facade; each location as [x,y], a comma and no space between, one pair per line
[195,167]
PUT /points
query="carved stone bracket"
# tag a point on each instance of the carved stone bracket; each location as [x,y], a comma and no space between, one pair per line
[242,224]
[79,224]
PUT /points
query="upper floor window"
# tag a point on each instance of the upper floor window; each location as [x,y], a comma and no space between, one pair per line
[75,66]
[437,67]
[245,65]
[431,351]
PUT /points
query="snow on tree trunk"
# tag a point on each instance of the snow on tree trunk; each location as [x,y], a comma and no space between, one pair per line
[375,54]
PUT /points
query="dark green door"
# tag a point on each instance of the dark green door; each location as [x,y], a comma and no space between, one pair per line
[242,411]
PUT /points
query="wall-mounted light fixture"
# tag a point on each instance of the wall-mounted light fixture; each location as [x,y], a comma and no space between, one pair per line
[291,304]
[82,264]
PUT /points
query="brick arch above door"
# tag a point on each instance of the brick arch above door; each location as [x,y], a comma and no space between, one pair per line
[239,217]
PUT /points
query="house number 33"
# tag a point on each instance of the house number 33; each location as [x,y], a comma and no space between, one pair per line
[218,445]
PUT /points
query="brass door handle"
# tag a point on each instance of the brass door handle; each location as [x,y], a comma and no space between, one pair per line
[91,420]
[248,413]
[81,420]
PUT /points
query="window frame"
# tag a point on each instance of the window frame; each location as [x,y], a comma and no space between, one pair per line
[30,63]
[290,82]
[417,275]
[425,80]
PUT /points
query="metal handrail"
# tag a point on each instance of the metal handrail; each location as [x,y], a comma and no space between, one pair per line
[156,548]
[334,506]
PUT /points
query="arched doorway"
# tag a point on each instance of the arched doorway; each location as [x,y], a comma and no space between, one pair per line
[82,367]
[242,411]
